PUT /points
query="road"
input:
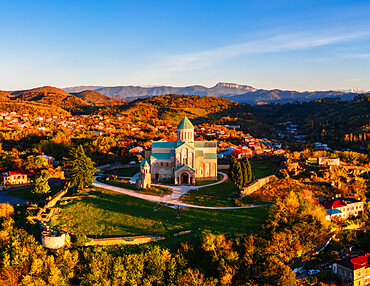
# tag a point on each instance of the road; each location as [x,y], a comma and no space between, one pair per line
[174,198]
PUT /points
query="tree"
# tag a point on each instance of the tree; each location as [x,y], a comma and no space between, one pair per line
[247,172]
[238,175]
[33,163]
[41,184]
[80,169]
[232,167]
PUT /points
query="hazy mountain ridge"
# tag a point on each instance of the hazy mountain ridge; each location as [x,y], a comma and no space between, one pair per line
[96,98]
[236,92]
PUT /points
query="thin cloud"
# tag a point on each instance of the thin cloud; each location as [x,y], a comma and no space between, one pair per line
[166,65]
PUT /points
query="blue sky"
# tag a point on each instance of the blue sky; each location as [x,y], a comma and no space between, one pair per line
[301,45]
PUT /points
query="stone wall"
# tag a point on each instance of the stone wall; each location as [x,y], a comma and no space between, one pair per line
[57,196]
[53,239]
[255,186]
[223,167]
[124,240]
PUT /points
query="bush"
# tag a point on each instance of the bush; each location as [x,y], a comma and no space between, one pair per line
[6,210]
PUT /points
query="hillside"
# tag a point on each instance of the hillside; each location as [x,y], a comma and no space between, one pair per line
[96,98]
[172,108]
[4,96]
[235,92]
[32,108]
[50,95]
[326,120]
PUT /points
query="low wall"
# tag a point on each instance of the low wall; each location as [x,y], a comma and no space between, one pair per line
[255,186]
[57,196]
[223,167]
[124,240]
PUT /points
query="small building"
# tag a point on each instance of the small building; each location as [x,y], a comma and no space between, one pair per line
[48,160]
[16,177]
[354,271]
[327,162]
[343,208]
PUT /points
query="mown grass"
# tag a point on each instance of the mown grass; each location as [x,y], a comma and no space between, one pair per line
[124,172]
[224,194]
[154,190]
[104,213]
[26,194]
[203,183]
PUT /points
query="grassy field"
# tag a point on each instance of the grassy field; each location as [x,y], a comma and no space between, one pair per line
[103,213]
[25,193]
[154,190]
[225,193]
[215,196]
[202,183]
[124,172]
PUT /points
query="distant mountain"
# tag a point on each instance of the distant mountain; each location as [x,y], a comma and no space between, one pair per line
[50,95]
[236,92]
[96,98]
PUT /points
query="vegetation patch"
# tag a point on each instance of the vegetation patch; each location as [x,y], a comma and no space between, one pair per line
[106,214]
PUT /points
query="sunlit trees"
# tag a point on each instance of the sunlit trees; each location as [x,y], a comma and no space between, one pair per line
[41,184]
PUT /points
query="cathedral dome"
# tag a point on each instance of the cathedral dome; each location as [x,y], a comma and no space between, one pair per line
[185,124]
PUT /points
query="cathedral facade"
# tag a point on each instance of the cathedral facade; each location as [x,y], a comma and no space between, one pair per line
[183,161]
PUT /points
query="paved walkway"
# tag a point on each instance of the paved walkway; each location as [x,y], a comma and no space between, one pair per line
[179,191]
[171,200]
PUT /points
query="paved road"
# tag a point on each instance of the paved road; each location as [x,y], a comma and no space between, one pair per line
[5,198]
[170,200]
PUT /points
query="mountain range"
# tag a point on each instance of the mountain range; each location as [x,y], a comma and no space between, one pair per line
[232,91]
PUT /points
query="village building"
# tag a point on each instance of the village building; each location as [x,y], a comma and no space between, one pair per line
[327,162]
[182,161]
[343,208]
[16,177]
[355,271]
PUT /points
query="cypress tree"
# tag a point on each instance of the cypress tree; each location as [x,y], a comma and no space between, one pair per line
[249,170]
[245,173]
[238,175]
[232,168]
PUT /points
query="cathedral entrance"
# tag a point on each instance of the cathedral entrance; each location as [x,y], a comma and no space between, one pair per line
[184,178]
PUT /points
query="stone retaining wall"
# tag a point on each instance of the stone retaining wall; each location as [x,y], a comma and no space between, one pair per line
[255,186]
[124,240]
[57,196]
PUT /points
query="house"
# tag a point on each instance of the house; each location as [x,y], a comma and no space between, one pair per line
[343,208]
[16,177]
[325,162]
[182,161]
[48,160]
[242,153]
[355,271]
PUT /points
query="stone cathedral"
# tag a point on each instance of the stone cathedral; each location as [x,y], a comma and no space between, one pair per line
[183,161]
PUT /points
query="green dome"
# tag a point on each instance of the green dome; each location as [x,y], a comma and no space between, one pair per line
[185,124]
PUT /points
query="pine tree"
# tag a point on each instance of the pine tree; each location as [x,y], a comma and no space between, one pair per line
[80,169]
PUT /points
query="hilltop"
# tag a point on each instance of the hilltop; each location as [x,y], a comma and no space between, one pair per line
[233,91]
[96,98]
[50,95]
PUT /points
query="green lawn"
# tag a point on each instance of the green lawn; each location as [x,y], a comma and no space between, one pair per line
[202,183]
[225,193]
[215,196]
[122,183]
[124,172]
[25,193]
[104,213]
[262,169]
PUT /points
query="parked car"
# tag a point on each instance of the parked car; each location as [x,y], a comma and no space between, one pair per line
[313,271]
[132,163]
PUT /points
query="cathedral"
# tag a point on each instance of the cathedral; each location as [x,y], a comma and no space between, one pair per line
[181,162]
